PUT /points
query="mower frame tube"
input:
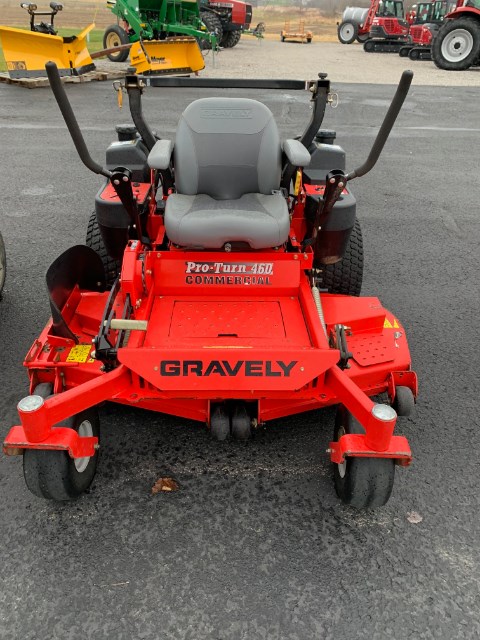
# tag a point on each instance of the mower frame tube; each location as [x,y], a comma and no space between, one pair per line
[37,430]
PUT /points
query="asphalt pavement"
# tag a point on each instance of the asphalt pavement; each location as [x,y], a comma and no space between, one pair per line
[255,544]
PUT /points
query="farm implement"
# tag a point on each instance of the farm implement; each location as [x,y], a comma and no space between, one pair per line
[26,52]
[221,285]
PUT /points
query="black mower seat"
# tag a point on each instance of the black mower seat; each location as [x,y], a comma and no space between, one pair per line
[227,160]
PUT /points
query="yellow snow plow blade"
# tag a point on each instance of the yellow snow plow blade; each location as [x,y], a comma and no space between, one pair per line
[26,53]
[161,57]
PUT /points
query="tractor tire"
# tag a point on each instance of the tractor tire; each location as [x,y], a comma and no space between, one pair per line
[230,39]
[404,52]
[213,24]
[346,276]
[94,240]
[114,36]
[363,483]
[54,475]
[3,264]
[361,39]
[347,32]
[309,40]
[456,46]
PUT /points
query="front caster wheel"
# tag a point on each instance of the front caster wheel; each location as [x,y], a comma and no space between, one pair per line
[54,475]
[363,483]
[404,403]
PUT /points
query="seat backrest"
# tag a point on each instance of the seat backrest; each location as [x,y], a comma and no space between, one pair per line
[226,147]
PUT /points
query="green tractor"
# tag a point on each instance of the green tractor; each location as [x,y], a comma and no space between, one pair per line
[155,20]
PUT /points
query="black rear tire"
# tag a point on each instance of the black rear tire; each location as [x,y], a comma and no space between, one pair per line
[213,24]
[363,483]
[54,475]
[230,39]
[346,276]
[114,36]
[413,54]
[456,46]
[94,240]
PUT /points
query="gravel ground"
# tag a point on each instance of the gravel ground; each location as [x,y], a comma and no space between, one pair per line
[272,59]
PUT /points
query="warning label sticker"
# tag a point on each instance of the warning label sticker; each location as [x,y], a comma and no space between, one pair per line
[79,353]
[388,325]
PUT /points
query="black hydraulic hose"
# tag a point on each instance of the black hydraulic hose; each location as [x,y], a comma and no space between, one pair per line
[387,124]
[71,121]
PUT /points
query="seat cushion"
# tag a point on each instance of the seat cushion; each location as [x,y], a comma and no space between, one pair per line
[260,220]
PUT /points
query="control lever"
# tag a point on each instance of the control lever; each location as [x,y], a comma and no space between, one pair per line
[337,179]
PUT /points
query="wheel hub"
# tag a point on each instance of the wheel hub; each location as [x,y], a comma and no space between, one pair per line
[346,31]
[457,45]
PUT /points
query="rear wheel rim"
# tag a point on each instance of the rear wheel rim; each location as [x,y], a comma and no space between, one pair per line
[112,40]
[457,45]
[85,430]
[346,32]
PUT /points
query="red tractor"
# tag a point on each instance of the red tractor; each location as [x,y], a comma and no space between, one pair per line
[389,31]
[456,46]
[220,283]
[429,16]
[232,16]
[357,21]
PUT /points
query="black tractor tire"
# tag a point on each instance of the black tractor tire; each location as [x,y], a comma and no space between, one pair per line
[3,264]
[114,36]
[230,39]
[54,475]
[363,483]
[414,54]
[94,240]
[309,40]
[404,52]
[456,46]
[346,276]
[347,32]
[214,25]
[361,39]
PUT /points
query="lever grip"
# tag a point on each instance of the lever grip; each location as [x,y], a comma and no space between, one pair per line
[70,120]
[387,124]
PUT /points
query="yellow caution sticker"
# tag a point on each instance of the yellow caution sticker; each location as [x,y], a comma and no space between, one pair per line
[79,353]
[388,325]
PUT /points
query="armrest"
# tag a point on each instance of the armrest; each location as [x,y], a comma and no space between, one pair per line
[159,157]
[296,153]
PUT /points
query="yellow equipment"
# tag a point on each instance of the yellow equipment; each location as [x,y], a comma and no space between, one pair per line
[26,52]
[161,57]
[299,35]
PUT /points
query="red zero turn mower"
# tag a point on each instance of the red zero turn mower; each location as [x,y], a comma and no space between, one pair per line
[229,256]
